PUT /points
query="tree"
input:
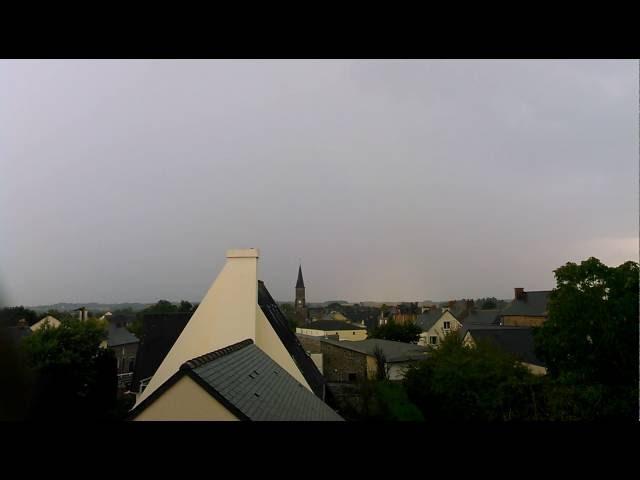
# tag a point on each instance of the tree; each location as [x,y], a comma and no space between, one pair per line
[76,378]
[462,383]
[407,332]
[9,316]
[161,306]
[591,335]
[382,370]
[489,303]
[590,341]
[289,313]
[185,306]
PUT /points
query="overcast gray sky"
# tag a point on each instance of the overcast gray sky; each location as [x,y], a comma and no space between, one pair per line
[392,180]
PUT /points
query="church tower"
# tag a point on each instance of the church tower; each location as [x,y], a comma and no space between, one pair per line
[301,304]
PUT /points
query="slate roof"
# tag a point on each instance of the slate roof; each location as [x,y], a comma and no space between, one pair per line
[515,340]
[534,304]
[330,325]
[281,326]
[300,282]
[393,351]
[159,332]
[119,336]
[428,319]
[483,317]
[251,385]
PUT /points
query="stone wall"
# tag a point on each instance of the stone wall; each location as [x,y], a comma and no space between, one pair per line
[343,365]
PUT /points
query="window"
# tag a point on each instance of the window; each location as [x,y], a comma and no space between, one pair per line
[447,325]
[353,333]
[132,362]
[433,340]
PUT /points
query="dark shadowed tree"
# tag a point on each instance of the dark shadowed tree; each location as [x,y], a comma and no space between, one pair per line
[407,332]
[9,316]
[75,377]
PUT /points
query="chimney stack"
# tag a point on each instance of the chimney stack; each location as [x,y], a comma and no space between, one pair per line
[519,294]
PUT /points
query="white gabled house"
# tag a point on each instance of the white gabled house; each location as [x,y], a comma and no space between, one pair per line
[239,337]
[435,325]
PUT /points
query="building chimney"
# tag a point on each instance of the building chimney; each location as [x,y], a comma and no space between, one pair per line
[519,294]
[451,303]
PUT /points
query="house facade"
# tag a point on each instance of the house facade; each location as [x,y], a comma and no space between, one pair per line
[237,325]
[435,325]
[353,362]
[342,329]
[527,309]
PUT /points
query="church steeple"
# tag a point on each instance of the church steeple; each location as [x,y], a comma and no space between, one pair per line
[300,307]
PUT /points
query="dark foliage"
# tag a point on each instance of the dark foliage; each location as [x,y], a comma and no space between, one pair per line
[407,332]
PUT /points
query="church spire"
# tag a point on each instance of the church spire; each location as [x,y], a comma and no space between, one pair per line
[300,282]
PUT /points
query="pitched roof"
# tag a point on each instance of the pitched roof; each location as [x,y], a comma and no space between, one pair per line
[393,351]
[515,340]
[159,332]
[300,282]
[280,325]
[482,317]
[330,325]
[534,304]
[252,386]
[119,335]
[428,319]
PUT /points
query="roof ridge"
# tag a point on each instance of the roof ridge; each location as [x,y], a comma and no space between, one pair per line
[208,357]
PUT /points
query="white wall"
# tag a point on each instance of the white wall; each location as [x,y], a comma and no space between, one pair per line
[438,328]
[226,315]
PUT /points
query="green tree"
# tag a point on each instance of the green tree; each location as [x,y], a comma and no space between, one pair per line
[591,335]
[489,303]
[590,342]
[161,306]
[482,383]
[382,371]
[289,313]
[76,378]
[406,332]
[185,306]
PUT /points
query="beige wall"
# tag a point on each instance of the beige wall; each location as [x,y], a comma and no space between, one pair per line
[186,400]
[535,369]
[52,321]
[522,321]
[226,315]
[350,335]
[438,328]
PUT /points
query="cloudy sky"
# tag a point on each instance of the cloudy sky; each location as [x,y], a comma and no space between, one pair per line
[392,180]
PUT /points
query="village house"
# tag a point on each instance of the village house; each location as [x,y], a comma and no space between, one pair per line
[343,329]
[236,359]
[124,345]
[311,345]
[356,361]
[48,320]
[435,324]
[527,309]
